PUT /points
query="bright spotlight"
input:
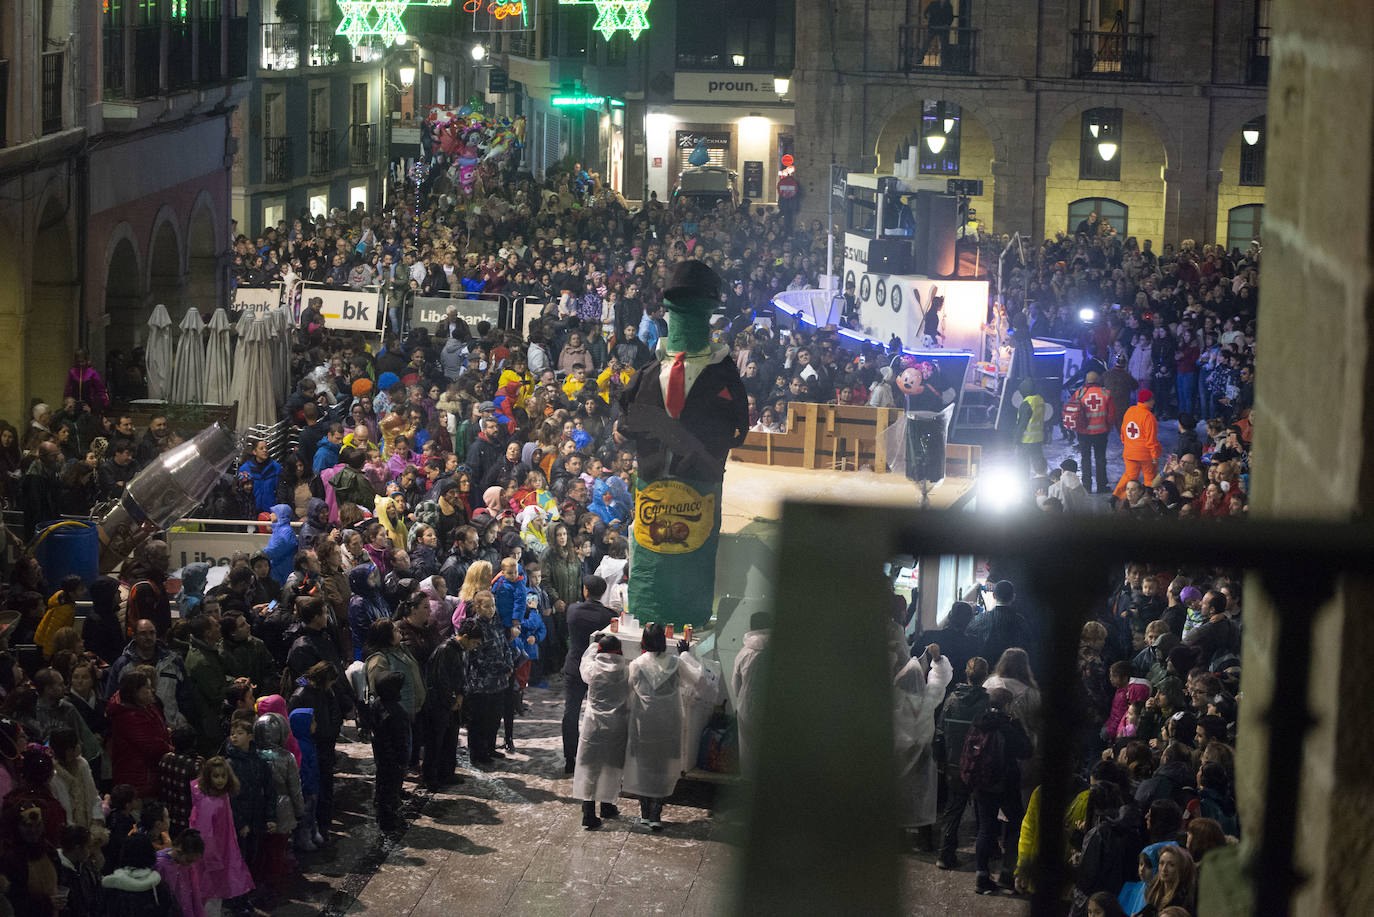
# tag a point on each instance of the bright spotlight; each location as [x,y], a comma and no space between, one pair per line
[1087,315]
[1000,490]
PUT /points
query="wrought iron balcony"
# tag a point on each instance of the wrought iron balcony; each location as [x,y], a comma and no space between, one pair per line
[211,41]
[53,64]
[281,46]
[924,49]
[147,61]
[276,160]
[180,44]
[360,145]
[1111,55]
[321,143]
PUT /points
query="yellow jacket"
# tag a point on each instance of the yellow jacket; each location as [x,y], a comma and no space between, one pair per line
[1027,848]
[61,613]
[603,382]
[572,388]
[526,383]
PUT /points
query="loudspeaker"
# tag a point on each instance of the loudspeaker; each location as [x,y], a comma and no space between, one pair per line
[937,219]
[889,256]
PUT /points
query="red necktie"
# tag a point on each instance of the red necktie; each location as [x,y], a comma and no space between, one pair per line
[677,386]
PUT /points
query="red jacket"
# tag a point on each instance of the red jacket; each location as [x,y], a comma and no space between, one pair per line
[1137,689]
[1097,409]
[138,740]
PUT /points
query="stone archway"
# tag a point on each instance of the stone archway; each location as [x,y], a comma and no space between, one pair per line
[124,300]
[166,279]
[1143,158]
[977,150]
[49,326]
[203,274]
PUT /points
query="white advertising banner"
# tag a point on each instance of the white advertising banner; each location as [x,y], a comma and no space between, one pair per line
[256,299]
[348,310]
[213,548]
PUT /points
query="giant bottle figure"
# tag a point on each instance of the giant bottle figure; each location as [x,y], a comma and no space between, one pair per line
[684,412]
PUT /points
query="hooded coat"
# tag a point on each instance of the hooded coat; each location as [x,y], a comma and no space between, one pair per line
[743,678]
[452,358]
[222,870]
[605,729]
[653,756]
[916,693]
[315,525]
[275,703]
[281,548]
[366,605]
[302,718]
[619,505]
[326,455]
[441,607]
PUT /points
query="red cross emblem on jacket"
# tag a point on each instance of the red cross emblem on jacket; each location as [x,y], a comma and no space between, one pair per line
[1132,431]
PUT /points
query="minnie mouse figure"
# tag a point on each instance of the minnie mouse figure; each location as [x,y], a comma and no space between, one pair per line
[912,378]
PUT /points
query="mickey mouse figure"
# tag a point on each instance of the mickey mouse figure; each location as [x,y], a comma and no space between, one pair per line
[912,378]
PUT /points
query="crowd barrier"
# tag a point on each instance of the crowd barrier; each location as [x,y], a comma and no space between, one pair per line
[365,310]
[841,438]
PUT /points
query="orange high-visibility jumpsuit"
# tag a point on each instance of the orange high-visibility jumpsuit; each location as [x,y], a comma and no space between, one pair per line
[1140,447]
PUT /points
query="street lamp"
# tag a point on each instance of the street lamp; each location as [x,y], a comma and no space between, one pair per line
[1251,135]
[407,76]
[479,52]
[936,142]
[1106,149]
[781,85]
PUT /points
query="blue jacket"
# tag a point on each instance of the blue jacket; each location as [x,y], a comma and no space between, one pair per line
[281,549]
[264,478]
[326,455]
[301,718]
[366,606]
[532,625]
[620,505]
[510,598]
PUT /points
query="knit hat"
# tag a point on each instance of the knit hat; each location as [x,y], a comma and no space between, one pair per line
[1144,395]
[361,387]
[1190,594]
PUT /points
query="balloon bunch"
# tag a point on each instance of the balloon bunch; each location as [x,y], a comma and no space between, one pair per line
[464,139]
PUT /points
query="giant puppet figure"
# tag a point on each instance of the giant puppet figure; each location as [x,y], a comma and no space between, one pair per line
[684,412]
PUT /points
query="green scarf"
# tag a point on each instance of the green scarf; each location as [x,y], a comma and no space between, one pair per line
[689,324]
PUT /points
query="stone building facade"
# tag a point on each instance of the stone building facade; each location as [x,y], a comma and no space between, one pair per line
[1181,85]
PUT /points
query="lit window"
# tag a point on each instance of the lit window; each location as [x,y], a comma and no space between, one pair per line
[1100,145]
[939,138]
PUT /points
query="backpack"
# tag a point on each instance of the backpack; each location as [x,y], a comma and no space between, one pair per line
[1071,414]
[983,765]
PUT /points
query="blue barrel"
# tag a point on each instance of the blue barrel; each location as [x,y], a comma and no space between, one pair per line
[68,548]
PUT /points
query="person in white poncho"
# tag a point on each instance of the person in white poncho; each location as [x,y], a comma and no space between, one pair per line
[604,731]
[918,687]
[746,684]
[653,759]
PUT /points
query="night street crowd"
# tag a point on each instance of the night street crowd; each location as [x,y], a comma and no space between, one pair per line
[447,529]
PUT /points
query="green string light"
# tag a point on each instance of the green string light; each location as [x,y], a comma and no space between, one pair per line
[364,19]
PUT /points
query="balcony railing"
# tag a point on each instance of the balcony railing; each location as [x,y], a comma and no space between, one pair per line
[147,61]
[52,91]
[937,50]
[210,44]
[360,145]
[319,44]
[1257,60]
[281,45]
[180,55]
[1111,55]
[276,160]
[4,99]
[320,148]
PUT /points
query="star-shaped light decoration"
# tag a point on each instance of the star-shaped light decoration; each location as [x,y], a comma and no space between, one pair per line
[363,19]
[617,16]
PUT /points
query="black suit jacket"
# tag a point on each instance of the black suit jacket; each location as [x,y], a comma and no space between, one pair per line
[715,419]
[584,619]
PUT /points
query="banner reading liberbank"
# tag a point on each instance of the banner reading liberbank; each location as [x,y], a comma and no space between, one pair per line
[723,87]
[256,299]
